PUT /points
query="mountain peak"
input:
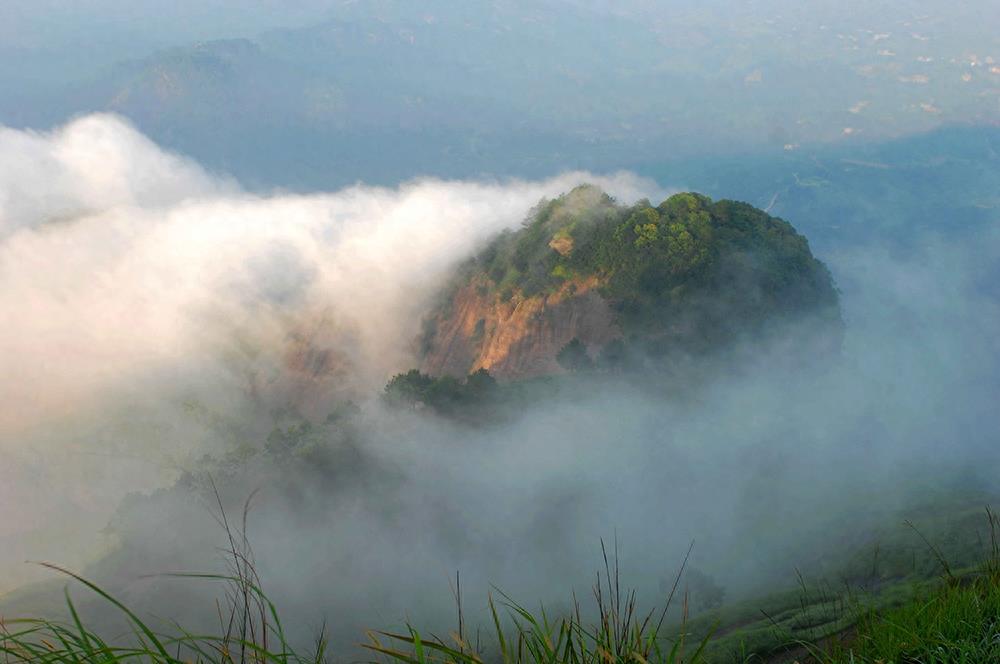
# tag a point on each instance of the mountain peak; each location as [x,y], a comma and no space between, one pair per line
[689,275]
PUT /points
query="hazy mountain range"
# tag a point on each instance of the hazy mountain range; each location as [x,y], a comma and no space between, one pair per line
[383,91]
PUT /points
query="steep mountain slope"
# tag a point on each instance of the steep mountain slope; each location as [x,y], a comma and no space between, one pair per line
[688,276]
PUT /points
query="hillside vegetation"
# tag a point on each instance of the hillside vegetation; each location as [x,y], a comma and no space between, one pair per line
[688,271]
[656,260]
[587,284]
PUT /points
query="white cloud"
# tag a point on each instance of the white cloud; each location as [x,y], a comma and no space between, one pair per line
[129,275]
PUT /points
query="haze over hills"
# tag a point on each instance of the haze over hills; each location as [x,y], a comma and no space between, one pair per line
[387,90]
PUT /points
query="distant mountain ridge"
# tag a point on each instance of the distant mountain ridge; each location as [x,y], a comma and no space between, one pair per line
[385,91]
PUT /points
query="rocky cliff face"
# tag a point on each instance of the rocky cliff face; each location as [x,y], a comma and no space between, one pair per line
[517,338]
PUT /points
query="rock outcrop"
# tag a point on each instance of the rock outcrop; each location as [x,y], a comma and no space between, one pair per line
[519,337]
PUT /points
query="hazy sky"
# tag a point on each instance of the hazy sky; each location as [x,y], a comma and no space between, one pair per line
[322,94]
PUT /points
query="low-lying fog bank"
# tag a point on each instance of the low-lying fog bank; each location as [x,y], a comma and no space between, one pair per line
[153,313]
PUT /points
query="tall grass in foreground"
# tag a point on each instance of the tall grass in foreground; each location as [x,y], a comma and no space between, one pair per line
[620,633]
[254,635]
[956,622]
[250,629]
[40,640]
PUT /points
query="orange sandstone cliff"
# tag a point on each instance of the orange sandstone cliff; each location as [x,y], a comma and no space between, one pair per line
[520,337]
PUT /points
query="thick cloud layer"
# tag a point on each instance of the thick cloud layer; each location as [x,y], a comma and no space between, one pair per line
[148,323]
[133,285]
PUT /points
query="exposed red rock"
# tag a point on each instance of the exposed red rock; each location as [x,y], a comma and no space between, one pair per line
[520,337]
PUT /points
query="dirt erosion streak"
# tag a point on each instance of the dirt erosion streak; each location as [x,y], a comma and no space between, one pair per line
[520,337]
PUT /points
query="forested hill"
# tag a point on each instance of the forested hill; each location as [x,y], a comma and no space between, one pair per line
[586,280]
